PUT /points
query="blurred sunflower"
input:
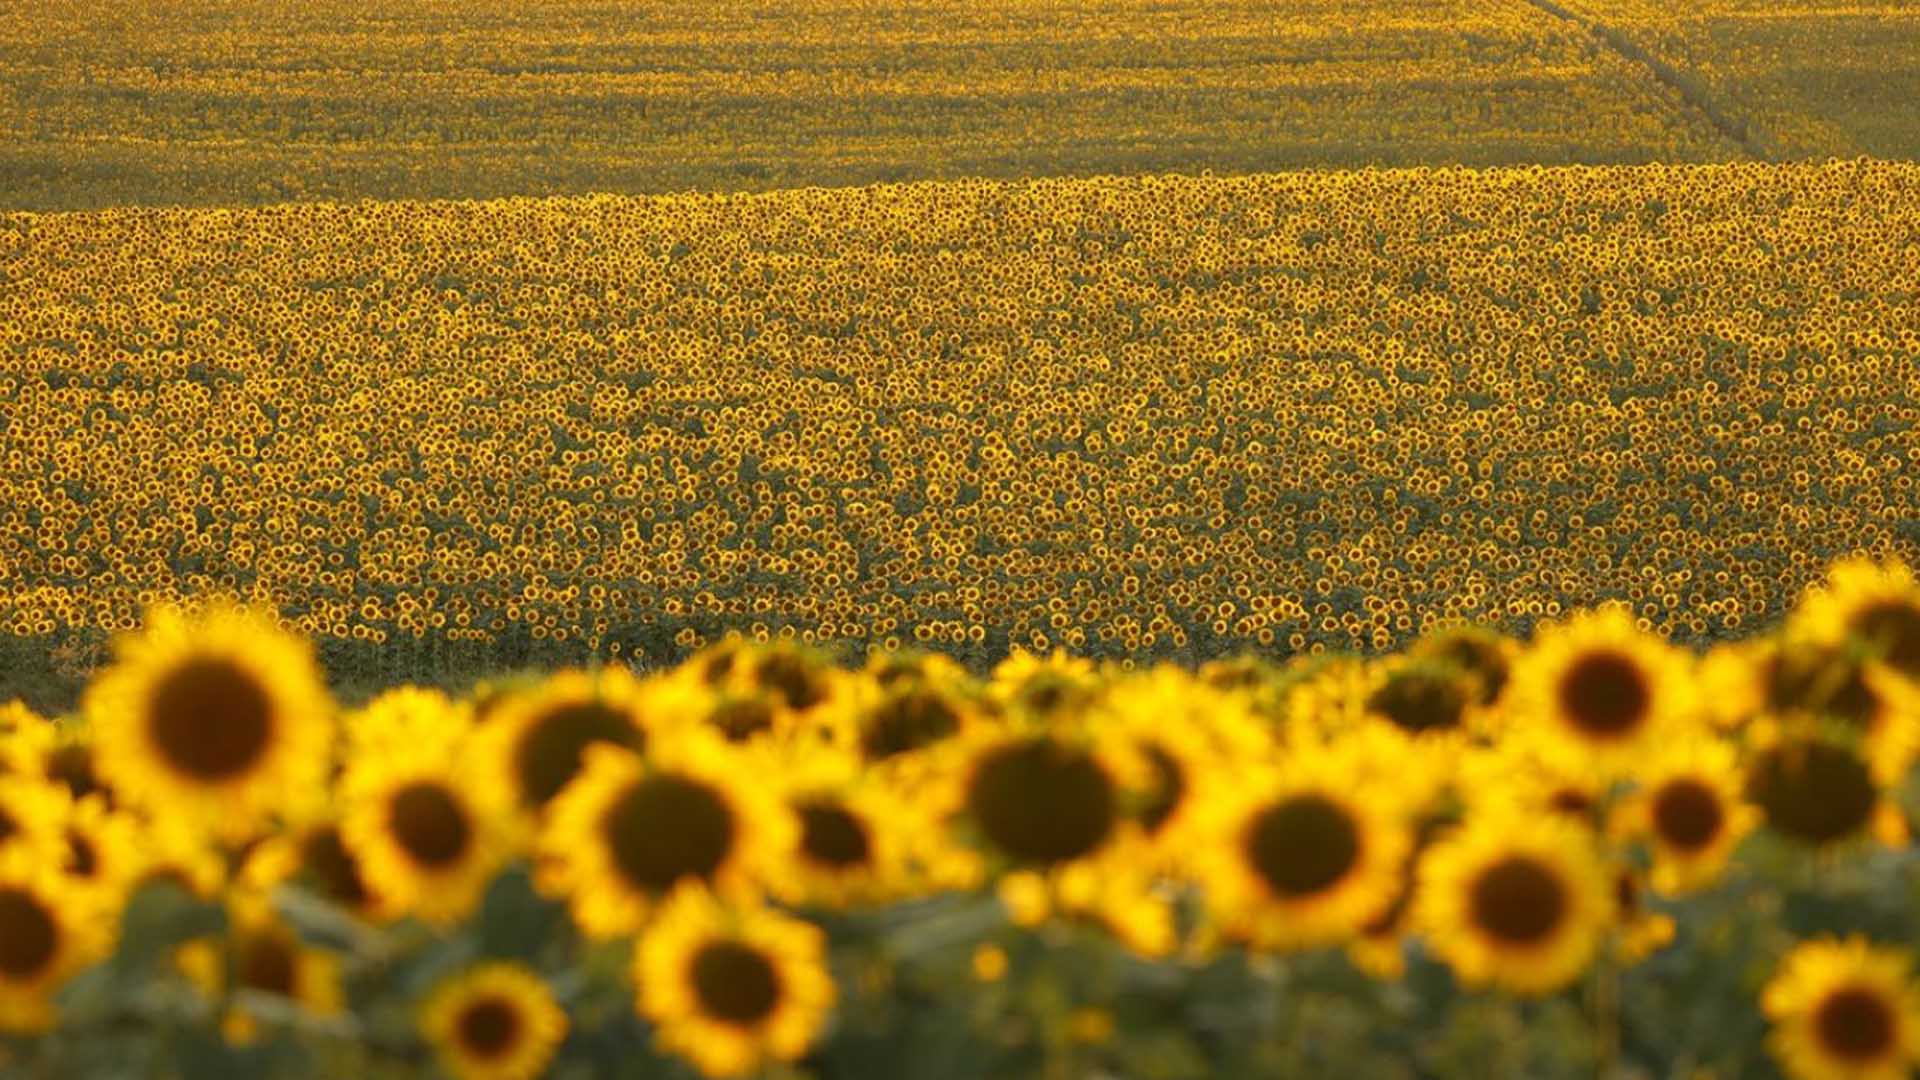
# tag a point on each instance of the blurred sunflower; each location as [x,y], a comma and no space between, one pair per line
[628,830]
[1875,606]
[533,744]
[259,954]
[1812,789]
[398,720]
[1515,776]
[49,929]
[106,849]
[1485,654]
[314,853]
[1844,1010]
[731,989]
[1690,809]
[859,841]
[789,679]
[1516,902]
[220,719]
[1187,735]
[426,833]
[1304,856]
[1599,690]
[1027,685]
[496,1021]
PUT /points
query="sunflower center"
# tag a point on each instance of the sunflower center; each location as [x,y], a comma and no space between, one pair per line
[906,723]
[1420,702]
[1855,1023]
[28,935]
[488,1027]
[1893,626]
[742,718]
[334,867]
[1518,901]
[1605,695]
[210,720]
[1302,845]
[788,675]
[833,835]
[549,753]
[1041,802]
[1812,791]
[1687,814]
[267,963]
[1169,788]
[735,982]
[429,824]
[665,828]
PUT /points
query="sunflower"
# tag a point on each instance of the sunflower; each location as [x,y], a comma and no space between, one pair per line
[69,760]
[731,989]
[533,742]
[1516,902]
[1304,856]
[316,855]
[402,718]
[859,841]
[426,834]
[1690,809]
[1485,654]
[889,725]
[1515,776]
[49,929]
[1026,685]
[106,849]
[1598,689]
[259,955]
[1874,606]
[497,1021]
[1844,1010]
[796,680]
[1812,789]
[221,718]
[627,831]
[1188,736]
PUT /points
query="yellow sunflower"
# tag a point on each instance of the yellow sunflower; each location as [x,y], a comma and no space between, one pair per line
[1515,902]
[731,989]
[400,719]
[1189,736]
[796,681]
[1597,689]
[316,855]
[259,955]
[628,830]
[1690,809]
[533,742]
[890,725]
[1485,654]
[1844,1010]
[859,841]
[1813,790]
[1304,856]
[497,1021]
[1515,776]
[70,760]
[1875,606]
[221,718]
[426,832]
[49,929]
[1028,686]
[106,849]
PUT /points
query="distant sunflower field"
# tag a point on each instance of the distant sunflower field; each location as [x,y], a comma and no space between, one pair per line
[1593,851]
[1153,417]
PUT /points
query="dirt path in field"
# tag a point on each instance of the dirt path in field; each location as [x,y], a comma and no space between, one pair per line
[1733,128]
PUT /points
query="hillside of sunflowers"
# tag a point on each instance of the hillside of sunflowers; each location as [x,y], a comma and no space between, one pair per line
[960,540]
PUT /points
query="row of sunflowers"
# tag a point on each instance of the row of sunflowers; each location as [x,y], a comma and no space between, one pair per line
[759,862]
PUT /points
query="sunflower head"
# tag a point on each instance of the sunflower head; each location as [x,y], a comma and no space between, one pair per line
[1871,607]
[49,929]
[1844,1008]
[1028,686]
[1484,654]
[534,743]
[1812,790]
[1039,800]
[1599,689]
[497,1021]
[422,832]
[1691,810]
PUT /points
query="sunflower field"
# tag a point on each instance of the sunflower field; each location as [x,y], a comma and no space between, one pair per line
[1593,851]
[1145,418]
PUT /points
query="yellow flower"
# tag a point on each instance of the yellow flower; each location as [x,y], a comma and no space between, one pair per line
[1813,790]
[1485,654]
[262,956]
[859,840]
[106,849]
[426,832]
[1028,686]
[533,742]
[497,1021]
[220,719]
[1871,605]
[1690,809]
[1844,1010]
[628,830]
[48,930]
[401,719]
[1303,856]
[1515,902]
[314,854]
[731,989]
[1597,689]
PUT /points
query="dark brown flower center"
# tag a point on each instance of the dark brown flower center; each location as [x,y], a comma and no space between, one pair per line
[1892,630]
[742,718]
[833,835]
[907,722]
[1855,1024]
[1687,814]
[488,1027]
[267,963]
[1812,791]
[429,824]
[790,676]
[665,828]
[1040,801]
[334,867]
[549,753]
[1303,844]
[210,720]
[735,983]
[1420,702]
[1606,695]
[29,937]
[1518,901]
